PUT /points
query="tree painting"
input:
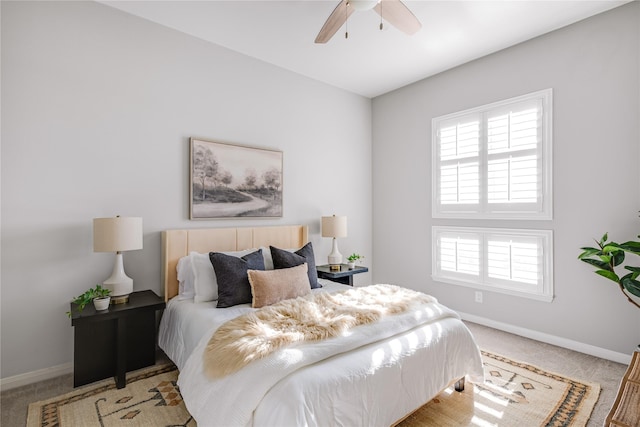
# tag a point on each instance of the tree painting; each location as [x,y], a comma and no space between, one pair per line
[272,179]
[205,167]
[234,181]
[250,178]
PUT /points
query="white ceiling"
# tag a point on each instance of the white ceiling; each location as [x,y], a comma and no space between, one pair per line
[370,62]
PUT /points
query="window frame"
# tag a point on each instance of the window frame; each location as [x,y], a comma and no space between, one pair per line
[543,291]
[542,209]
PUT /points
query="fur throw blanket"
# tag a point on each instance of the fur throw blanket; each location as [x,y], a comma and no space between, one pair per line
[313,317]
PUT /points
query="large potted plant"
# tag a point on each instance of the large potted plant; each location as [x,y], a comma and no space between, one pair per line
[608,257]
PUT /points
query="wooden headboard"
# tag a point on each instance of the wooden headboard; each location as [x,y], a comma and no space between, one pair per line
[179,243]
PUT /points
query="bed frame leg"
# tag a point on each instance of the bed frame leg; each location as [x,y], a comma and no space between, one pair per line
[459,385]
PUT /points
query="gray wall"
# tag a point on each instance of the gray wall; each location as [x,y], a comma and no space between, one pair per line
[97,110]
[594,69]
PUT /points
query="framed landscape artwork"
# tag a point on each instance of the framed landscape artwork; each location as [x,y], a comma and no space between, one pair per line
[231,181]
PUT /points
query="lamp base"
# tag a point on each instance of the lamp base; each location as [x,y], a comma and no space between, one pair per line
[120,299]
[335,257]
[119,283]
[335,267]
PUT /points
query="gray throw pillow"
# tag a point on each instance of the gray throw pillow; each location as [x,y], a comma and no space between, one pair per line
[286,259]
[233,281]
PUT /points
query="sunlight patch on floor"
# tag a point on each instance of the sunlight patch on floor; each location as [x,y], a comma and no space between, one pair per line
[482,423]
[488,410]
[498,400]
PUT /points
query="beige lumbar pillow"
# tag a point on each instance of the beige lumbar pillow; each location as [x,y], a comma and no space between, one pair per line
[271,286]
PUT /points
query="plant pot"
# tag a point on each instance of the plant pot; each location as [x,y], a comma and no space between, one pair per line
[351,265]
[101,303]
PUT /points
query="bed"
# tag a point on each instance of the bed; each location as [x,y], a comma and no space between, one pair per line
[360,379]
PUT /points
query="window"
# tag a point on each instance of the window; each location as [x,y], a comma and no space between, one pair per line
[494,161]
[516,262]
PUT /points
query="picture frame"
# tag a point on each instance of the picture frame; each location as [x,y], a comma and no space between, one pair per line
[234,181]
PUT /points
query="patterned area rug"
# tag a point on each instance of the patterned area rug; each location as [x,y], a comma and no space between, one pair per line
[151,398]
[514,394]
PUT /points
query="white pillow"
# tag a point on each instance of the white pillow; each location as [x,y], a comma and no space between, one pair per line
[186,280]
[205,281]
[268,260]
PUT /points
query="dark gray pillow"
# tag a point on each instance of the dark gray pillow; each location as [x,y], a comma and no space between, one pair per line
[233,281]
[286,259]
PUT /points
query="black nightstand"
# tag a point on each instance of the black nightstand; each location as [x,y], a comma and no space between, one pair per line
[114,341]
[344,276]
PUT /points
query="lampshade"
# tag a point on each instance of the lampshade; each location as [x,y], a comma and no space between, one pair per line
[334,226]
[117,234]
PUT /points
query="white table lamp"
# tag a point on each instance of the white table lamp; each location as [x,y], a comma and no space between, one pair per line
[334,226]
[117,235]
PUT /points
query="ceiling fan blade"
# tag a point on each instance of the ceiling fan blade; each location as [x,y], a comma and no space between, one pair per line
[398,15]
[337,18]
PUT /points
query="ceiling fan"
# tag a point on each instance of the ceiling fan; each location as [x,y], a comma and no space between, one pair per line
[394,11]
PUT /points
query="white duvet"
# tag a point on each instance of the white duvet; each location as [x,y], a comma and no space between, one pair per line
[374,376]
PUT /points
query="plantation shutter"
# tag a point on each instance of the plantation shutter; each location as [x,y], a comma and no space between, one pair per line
[513,154]
[517,262]
[459,171]
[458,254]
[494,161]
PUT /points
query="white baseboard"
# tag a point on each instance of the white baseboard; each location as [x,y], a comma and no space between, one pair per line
[602,353]
[35,376]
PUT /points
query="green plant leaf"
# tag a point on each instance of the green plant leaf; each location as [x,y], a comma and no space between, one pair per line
[611,247]
[631,285]
[589,252]
[635,272]
[618,257]
[631,246]
[597,263]
[605,258]
[609,275]
[605,237]
[590,248]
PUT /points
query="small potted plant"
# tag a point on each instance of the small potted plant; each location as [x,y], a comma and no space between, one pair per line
[352,259]
[99,296]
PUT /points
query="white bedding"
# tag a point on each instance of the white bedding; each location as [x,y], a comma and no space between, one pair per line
[372,384]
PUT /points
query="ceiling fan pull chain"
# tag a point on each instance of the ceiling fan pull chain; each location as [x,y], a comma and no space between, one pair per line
[346,21]
[399,16]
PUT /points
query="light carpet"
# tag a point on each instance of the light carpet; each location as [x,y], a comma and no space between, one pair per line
[514,394]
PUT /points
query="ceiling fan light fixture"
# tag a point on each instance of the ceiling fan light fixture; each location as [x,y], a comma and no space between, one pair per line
[395,13]
[363,4]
